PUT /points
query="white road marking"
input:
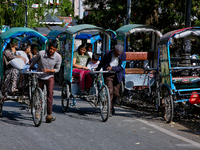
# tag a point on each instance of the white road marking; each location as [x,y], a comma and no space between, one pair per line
[170,133]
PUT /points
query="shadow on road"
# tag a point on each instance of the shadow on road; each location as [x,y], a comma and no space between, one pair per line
[15,118]
[148,111]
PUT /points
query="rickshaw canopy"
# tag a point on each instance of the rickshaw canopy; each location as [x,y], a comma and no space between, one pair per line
[19,31]
[14,33]
[54,34]
[86,28]
[180,33]
[134,28]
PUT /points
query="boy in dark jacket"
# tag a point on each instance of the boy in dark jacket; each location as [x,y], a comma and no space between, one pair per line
[113,60]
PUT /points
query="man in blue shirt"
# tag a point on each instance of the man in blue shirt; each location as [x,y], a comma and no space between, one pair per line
[113,60]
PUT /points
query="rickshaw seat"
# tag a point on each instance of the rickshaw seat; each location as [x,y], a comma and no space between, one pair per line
[134,71]
[138,56]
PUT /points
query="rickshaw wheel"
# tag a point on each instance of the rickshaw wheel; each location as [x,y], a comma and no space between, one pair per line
[65,97]
[1,109]
[45,99]
[1,104]
[37,106]
[167,106]
[104,103]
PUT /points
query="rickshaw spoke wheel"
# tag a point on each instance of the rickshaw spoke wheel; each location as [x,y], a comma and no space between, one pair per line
[1,104]
[45,99]
[167,105]
[65,96]
[104,103]
[37,106]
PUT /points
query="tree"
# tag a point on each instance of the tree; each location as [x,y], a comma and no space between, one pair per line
[17,19]
[106,13]
[166,15]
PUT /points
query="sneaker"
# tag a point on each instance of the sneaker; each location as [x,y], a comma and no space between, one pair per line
[110,115]
[50,118]
[113,111]
[37,115]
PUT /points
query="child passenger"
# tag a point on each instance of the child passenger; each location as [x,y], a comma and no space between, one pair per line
[93,64]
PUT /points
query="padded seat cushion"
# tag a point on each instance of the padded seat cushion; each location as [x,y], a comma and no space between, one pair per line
[134,71]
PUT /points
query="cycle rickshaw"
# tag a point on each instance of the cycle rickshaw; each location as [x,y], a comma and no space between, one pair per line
[140,45]
[31,95]
[99,93]
[179,72]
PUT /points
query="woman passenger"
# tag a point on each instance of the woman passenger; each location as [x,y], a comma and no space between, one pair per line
[11,74]
[80,69]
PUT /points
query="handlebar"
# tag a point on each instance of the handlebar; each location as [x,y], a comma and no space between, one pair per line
[32,72]
[108,71]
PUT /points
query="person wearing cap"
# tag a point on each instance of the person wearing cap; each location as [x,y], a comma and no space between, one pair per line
[114,60]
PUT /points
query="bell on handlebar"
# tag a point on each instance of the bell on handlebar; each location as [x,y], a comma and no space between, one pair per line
[146,64]
[194,98]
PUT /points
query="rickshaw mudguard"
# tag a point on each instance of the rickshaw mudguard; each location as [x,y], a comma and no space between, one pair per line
[167,86]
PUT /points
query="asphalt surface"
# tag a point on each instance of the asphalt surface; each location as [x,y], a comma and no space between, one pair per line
[82,129]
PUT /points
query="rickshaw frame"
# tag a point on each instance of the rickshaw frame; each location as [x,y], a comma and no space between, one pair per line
[33,96]
[176,92]
[71,90]
[137,80]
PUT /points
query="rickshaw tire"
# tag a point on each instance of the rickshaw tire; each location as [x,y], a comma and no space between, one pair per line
[65,96]
[167,105]
[1,104]
[1,109]
[104,105]
[45,99]
[38,103]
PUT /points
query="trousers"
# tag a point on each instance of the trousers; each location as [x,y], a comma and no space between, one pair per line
[83,76]
[113,87]
[50,85]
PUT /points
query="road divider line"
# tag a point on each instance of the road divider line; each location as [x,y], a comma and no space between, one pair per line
[170,133]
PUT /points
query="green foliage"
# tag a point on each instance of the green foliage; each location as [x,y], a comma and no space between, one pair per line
[17,19]
[65,8]
[166,15]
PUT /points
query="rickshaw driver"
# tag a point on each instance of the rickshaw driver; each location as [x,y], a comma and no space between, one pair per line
[49,62]
[113,60]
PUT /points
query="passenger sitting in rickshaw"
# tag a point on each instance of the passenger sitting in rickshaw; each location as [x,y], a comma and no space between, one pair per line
[34,52]
[93,64]
[12,75]
[80,69]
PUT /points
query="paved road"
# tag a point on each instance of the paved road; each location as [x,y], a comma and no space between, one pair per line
[82,129]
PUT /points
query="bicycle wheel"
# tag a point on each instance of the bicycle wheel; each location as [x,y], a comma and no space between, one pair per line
[167,105]
[37,106]
[1,104]
[65,96]
[104,103]
[45,99]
